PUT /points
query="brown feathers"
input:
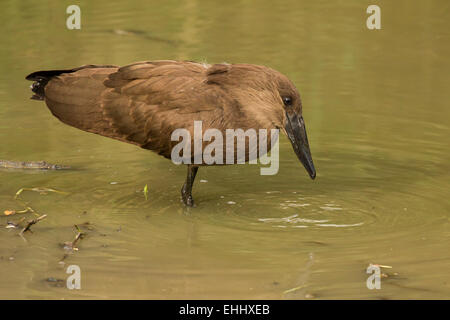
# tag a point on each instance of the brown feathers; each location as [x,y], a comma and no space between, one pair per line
[144,102]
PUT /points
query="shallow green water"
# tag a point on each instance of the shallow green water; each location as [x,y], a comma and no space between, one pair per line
[376,105]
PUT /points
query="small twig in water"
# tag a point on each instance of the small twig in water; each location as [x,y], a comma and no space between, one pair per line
[70,245]
[294,289]
[31,222]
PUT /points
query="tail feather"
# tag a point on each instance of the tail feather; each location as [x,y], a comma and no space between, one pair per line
[41,78]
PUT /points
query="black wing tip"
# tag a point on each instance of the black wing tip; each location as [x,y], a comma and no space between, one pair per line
[41,78]
[45,75]
[32,76]
[48,74]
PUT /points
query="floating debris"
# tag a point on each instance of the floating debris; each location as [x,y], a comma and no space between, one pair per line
[385,274]
[42,165]
[41,190]
[70,245]
[54,282]
[294,289]
[13,212]
[14,225]
[32,222]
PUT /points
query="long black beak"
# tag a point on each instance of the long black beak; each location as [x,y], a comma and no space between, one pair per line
[295,128]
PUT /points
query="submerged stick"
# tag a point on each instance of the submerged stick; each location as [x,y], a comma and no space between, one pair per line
[42,165]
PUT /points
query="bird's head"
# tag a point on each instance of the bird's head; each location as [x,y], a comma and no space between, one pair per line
[293,124]
[271,99]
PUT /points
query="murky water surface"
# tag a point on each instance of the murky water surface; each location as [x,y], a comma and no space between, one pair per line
[377,110]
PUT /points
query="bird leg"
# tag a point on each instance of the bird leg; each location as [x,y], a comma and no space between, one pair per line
[186,191]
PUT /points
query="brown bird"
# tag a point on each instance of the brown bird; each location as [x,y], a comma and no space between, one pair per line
[144,102]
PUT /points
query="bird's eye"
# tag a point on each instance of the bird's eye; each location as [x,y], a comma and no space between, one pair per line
[287,101]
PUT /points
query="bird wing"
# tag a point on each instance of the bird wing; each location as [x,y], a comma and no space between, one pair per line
[141,103]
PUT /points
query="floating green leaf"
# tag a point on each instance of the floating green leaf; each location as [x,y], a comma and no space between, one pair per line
[146,192]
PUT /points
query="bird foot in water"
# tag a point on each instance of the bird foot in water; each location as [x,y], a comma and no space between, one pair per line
[187,197]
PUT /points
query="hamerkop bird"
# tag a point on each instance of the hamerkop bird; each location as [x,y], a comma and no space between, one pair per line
[144,102]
